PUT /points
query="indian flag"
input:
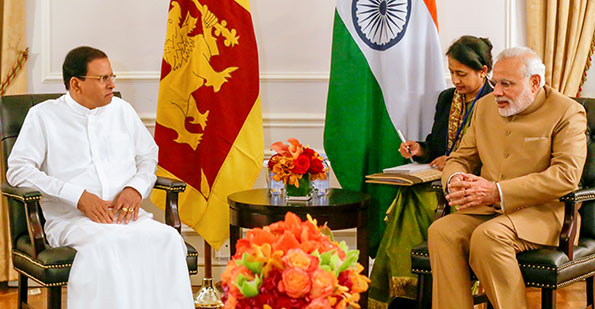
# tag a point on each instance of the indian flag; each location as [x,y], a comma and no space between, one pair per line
[386,73]
[209,120]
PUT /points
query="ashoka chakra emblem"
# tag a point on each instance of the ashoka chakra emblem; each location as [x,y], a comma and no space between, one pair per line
[381,23]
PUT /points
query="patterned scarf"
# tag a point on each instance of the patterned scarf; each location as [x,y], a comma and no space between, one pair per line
[458,108]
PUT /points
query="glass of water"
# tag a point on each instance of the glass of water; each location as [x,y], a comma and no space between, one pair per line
[321,187]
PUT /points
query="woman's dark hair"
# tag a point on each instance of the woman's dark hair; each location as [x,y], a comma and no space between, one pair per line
[472,51]
[75,63]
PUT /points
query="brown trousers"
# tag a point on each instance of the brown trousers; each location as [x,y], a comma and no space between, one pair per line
[486,243]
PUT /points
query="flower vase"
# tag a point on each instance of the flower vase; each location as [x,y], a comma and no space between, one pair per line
[299,193]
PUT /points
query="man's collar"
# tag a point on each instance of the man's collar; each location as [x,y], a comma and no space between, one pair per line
[79,108]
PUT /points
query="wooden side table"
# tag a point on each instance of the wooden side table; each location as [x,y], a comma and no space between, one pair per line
[341,209]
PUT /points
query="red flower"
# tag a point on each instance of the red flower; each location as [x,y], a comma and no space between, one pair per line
[316,166]
[301,164]
[309,152]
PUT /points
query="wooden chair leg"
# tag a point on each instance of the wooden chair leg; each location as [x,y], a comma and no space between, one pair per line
[22,290]
[548,299]
[55,297]
[590,292]
[424,291]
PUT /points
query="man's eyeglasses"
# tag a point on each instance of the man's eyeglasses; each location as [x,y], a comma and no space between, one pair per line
[504,83]
[102,78]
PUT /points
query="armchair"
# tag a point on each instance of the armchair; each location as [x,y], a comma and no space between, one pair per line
[546,268]
[32,257]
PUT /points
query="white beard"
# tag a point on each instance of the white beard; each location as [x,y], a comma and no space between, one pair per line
[517,105]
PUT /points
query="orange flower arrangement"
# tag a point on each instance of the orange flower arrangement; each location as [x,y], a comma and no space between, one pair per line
[294,161]
[292,264]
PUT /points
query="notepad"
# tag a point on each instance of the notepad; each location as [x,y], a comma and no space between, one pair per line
[405,179]
[407,169]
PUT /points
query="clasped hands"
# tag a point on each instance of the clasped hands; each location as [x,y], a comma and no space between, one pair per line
[468,190]
[124,207]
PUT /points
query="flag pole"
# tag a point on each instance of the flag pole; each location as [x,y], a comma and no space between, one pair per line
[208,296]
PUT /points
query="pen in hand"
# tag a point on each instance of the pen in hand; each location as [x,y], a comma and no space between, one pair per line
[403,140]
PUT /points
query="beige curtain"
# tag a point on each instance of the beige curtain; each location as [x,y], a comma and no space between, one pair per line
[561,32]
[13,44]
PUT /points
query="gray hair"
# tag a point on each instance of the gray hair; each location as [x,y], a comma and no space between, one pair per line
[533,64]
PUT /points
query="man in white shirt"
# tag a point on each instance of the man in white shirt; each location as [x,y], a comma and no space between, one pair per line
[93,160]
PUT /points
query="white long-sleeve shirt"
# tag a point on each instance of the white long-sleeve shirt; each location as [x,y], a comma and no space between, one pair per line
[65,148]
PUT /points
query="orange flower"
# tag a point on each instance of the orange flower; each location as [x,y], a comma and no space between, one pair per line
[295,282]
[297,258]
[323,283]
[296,148]
[359,282]
[259,236]
[285,242]
[319,303]
[271,259]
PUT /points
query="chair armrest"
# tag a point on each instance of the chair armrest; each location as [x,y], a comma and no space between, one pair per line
[443,208]
[169,184]
[21,194]
[172,189]
[568,232]
[30,198]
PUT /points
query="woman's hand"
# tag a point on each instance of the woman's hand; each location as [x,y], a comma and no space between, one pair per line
[414,149]
[439,162]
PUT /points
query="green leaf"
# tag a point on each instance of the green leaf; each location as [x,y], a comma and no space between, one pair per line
[248,288]
[350,260]
[254,267]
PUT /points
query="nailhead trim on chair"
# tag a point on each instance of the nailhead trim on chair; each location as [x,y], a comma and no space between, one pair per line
[37,280]
[561,285]
[167,188]
[569,282]
[571,263]
[420,254]
[193,272]
[578,199]
[192,254]
[38,264]
[20,198]
[538,267]
[420,271]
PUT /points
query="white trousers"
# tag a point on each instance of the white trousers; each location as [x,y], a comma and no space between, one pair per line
[137,265]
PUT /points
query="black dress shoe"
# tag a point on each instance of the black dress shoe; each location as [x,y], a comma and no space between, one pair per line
[402,303]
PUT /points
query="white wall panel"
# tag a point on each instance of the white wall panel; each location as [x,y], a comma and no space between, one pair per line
[478,18]
[293,36]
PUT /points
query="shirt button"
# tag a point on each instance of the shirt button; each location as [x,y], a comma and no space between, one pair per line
[506,154]
[503,177]
[507,132]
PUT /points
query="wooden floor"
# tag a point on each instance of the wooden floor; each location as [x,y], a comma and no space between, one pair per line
[571,297]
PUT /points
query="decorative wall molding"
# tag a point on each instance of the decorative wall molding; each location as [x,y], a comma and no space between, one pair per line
[49,76]
[508,16]
[269,120]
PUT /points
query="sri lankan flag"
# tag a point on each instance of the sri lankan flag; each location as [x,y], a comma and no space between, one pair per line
[209,121]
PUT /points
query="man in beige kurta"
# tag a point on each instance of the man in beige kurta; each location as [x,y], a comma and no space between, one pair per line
[529,141]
